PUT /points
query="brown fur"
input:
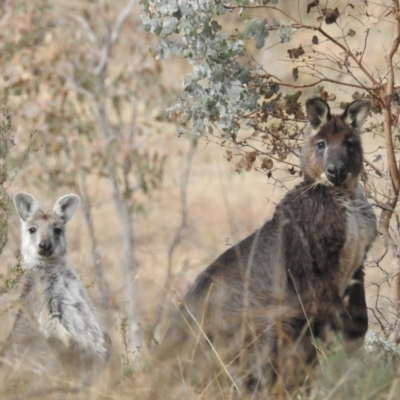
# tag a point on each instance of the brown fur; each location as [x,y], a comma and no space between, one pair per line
[263,302]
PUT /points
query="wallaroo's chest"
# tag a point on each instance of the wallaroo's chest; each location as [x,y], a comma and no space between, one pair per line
[46,283]
[360,233]
[333,226]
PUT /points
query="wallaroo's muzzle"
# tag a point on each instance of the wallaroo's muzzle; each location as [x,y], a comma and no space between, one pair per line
[336,173]
[45,249]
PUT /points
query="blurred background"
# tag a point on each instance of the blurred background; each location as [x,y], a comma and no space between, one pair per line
[84,102]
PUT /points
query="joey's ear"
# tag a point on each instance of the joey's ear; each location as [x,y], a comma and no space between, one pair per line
[25,205]
[66,206]
[318,112]
[356,113]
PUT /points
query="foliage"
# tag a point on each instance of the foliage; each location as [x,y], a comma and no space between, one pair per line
[7,173]
[223,90]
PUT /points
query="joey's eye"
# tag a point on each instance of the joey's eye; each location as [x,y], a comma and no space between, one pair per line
[320,144]
[57,231]
[32,230]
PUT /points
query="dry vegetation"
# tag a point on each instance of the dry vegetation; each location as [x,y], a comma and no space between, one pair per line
[49,55]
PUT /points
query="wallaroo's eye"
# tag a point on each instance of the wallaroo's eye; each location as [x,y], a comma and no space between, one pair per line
[32,230]
[350,145]
[57,231]
[320,144]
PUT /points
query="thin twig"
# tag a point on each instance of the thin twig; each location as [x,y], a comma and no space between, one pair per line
[112,37]
[179,232]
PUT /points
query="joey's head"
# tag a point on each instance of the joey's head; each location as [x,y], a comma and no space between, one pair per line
[43,234]
[332,152]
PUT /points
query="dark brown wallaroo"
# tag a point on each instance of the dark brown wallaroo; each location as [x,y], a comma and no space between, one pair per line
[300,276]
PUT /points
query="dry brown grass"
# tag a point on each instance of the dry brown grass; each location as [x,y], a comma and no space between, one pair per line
[223,207]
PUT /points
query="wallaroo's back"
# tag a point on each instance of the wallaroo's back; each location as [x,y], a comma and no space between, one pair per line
[263,302]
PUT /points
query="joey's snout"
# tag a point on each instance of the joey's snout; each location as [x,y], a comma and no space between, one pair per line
[336,172]
[45,248]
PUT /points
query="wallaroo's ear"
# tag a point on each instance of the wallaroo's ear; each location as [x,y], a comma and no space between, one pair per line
[318,112]
[356,113]
[66,206]
[25,205]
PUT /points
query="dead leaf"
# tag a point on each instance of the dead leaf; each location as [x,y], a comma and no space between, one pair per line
[295,73]
[314,3]
[331,15]
[320,18]
[314,39]
[229,155]
[327,96]
[282,156]
[251,156]
[267,163]
[239,166]
[324,95]
[296,53]
[351,33]
[331,97]
[246,162]
[292,171]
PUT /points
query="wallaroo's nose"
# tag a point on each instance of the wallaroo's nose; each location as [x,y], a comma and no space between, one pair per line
[45,248]
[336,173]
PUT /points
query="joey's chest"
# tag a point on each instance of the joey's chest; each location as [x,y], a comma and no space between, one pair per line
[47,291]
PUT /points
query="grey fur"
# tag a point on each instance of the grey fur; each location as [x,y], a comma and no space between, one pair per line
[55,311]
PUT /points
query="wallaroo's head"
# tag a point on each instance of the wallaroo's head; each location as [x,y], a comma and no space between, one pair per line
[43,234]
[332,152]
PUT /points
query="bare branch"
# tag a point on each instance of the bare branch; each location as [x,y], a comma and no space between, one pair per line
[86,28]
[179,232]
[122,16]
[375,168]
[394,171]
[298,25]
[315,83]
